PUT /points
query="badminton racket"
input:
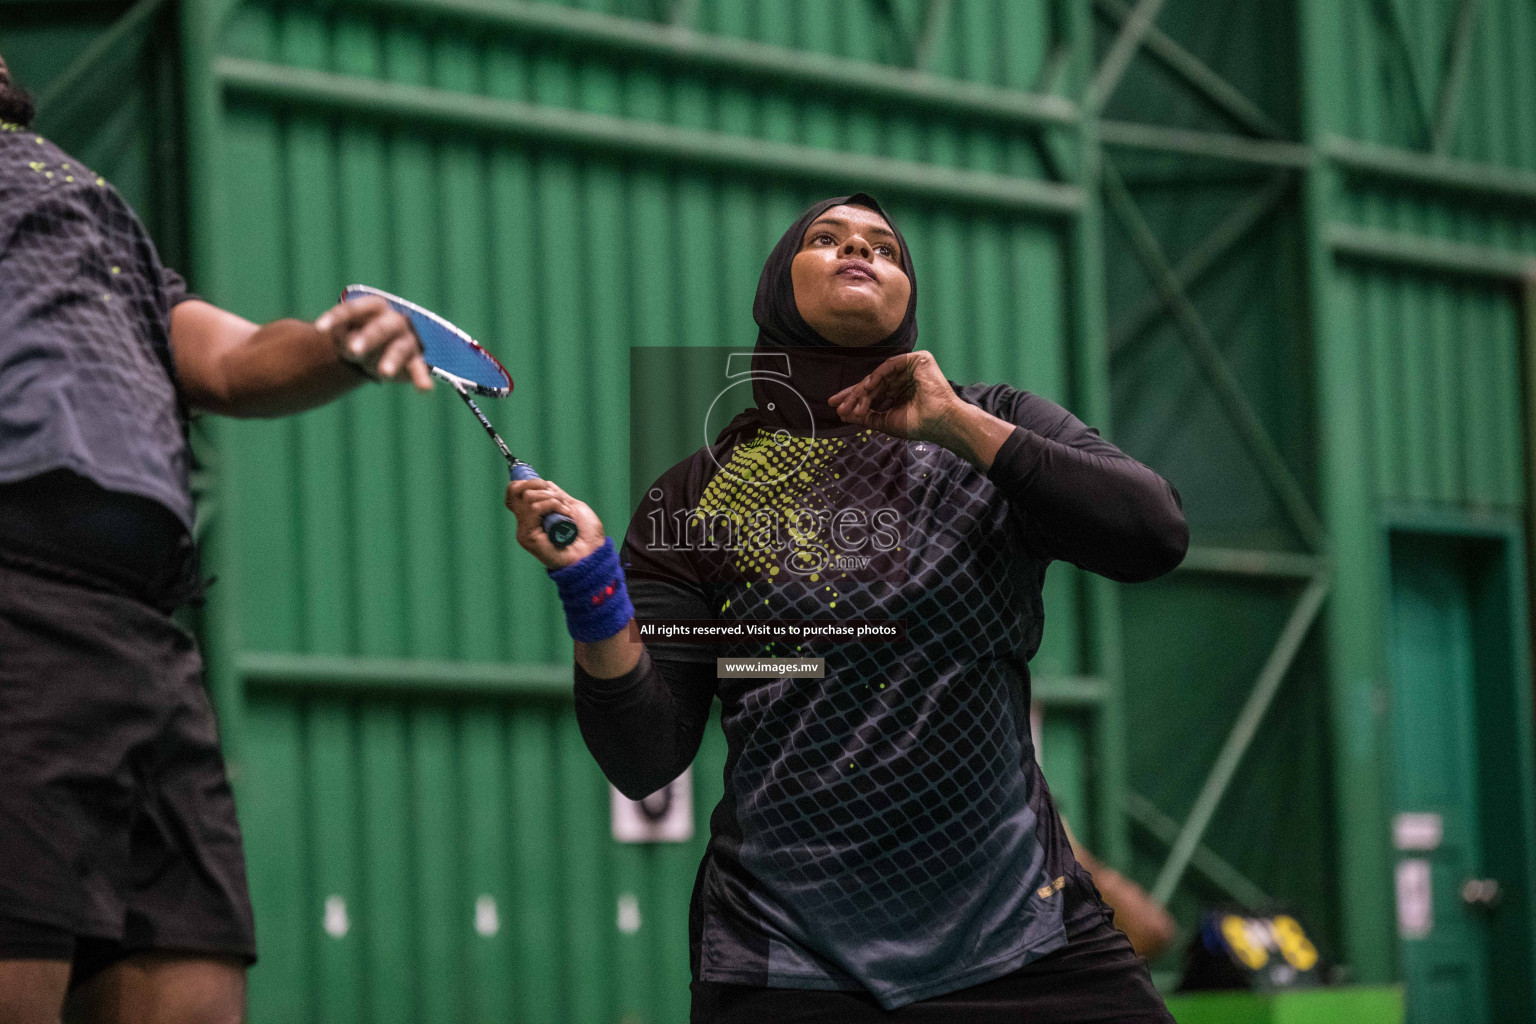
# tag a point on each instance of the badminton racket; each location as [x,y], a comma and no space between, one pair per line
[458,359]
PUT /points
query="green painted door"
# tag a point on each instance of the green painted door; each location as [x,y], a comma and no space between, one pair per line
[1444,938]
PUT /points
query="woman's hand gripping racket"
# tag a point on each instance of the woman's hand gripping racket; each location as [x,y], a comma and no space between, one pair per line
[456,358]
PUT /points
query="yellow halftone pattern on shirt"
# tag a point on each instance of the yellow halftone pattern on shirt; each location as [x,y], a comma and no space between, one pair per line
[774,474]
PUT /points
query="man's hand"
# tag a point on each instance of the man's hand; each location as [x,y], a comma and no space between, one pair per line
[529,500]
[370,334]
[908,396]
[228,365]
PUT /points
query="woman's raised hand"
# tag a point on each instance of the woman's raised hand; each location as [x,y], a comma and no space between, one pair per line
[906,396]
[528,500]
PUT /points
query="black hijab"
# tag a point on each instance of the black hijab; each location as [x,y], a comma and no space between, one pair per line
[817,368]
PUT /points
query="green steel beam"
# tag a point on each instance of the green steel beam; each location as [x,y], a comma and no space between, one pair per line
[1353,649]
[1207,862]
[1070,691]
[132,21]
[1421,252]
[1528,344]
[1402,166]
[1055,149]
[1192,269]
[1252,562]
[1448,106]
[429,109]
[1121,52]
[1211,145]
[1102,636]
[1208,357]
[736,59]
[204,477]
[422,678]
[1240,737]
[1208,85]
[200,24]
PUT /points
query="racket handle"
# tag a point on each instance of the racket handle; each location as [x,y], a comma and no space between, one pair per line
[560,529]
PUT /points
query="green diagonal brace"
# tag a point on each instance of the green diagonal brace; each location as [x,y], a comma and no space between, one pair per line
[1241,736]
[1193,268]
[1121,52]
[1210,360]
[1204,860]
[1207,145]
[1258,562]
[1211,87]
[81,67]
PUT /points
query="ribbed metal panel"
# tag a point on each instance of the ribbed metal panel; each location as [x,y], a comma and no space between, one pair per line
[996,42]
[391,669]
[421,860]
[560,263]
[373,529]
[471,56]
[1444,378]
[1396,73]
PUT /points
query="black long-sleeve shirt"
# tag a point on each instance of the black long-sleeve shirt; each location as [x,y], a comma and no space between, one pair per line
[885,826]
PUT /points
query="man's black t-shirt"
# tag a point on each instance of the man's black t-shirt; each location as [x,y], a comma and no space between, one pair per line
[87,381]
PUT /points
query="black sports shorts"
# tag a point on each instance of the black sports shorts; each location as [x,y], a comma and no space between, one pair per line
[117,825]
[1095,979]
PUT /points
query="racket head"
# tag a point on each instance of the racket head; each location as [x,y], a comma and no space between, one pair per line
[449,352]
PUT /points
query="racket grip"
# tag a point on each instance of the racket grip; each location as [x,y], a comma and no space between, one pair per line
[560,529]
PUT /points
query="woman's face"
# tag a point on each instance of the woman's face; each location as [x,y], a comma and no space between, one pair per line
[847,276]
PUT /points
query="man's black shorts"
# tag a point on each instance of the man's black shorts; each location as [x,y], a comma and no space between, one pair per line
[117,824]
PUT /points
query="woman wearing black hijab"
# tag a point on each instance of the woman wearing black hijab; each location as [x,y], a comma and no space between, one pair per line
[886,848]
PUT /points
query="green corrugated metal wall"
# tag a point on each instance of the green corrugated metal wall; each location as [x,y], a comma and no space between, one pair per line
[1310,217]
[1442,371]
[1375,267]
[368,537]
[1424,229]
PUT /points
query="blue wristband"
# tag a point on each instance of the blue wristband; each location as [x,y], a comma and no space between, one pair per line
[594,596]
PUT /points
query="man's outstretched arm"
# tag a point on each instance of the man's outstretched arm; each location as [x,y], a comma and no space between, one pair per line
[226,364]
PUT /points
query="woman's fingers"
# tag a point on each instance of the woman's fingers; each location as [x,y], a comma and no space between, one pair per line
[520,493]
[531,501]
[544,506]
[904,396]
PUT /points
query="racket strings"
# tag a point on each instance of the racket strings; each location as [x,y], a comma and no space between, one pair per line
[444,347]
[464,359]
